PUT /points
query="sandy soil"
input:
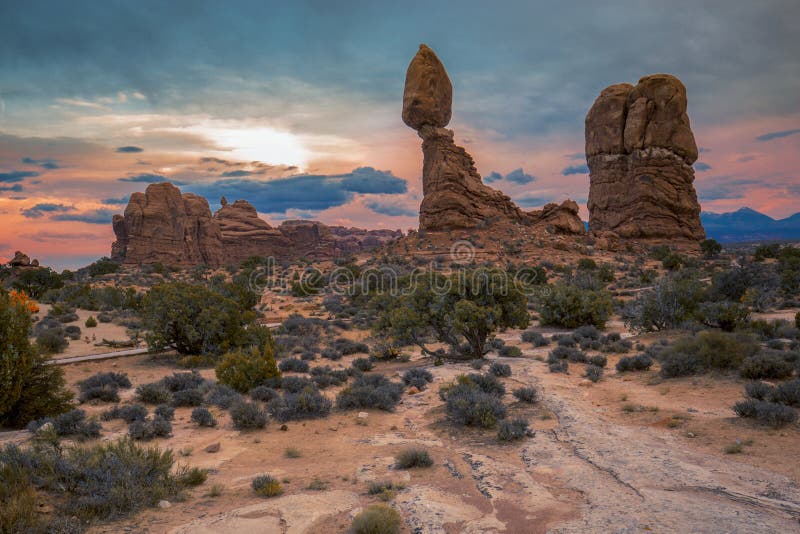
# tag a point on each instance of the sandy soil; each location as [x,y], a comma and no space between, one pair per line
[82,347]
[591,466]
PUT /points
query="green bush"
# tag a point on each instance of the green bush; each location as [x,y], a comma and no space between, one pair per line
[153,393]
[640,362]
[377,519]
[91,322]
[706,350]
[413,457]
[266,486]
[29,388]
[569,306]
[52,341]
[245,369]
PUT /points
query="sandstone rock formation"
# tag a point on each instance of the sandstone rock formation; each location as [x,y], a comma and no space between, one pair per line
[20,259]
[163,225]
[454,195]
[640,149]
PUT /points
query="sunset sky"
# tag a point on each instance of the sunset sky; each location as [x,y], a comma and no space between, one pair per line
[295,106]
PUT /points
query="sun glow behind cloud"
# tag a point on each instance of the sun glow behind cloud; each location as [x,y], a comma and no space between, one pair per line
[257,143]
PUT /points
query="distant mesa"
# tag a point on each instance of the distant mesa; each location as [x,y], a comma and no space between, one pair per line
[640,149]
[167,226]
[454,195]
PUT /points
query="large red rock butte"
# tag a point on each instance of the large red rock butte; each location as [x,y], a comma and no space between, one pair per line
[454,195]
[166,226]
[640,149]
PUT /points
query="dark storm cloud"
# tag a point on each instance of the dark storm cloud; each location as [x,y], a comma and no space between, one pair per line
[575,169]
[100,216]
[313,192]
[38,210]
[16,176]
[390,209]
[130,149]
[777,135]
[48,164]
[535,69]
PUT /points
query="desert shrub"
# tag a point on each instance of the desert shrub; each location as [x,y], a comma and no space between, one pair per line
[418,378]
[704,351]
[293,365]
[153,393]
[758,390]
[487,383]
[769,365]
[370,391]
[535,338]
[188,397]
[710,248]
[598,360]
[295,384]
[266,486]
[594,373]
[331,354]
[308,403]
[775,344]
[570,307]
[91,322]
[18,511]
[72,423]
[145,430]
[103,386]
[263,393]
[193,477]
[526,394]
[787,393]
[104,317]
[466,404]
[203,417]
[52,340]
[510,351]
[107,393]
[477,363]
[413,457]
[182,381]
[363,364]
[672,301]
[500,369]
[128,413]
[769,413]
[164,411]
[348,346]
[566,353]
[560,366]
[640,362]
[512,430]
[73,332]
[247,368]
[222,396]
[726,315]
[248,415]
[104,481]
[377,519]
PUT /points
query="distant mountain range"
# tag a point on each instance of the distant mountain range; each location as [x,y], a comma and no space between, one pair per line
[747,224]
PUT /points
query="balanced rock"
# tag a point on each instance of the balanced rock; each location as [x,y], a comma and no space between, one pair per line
[640,149]
[163,225]
[20,259]
[454,195]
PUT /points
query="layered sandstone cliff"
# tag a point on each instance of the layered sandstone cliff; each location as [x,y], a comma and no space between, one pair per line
[640,149]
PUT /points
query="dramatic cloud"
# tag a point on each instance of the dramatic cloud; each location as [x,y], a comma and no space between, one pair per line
[149,178]
[777,135]
[101,216]
[575,169]
[130,149]
[16,188]
[38,210]
[116,201]
[16,176]
[391,209]
[517,176]
[701,167]
[303,192]
[48,164]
